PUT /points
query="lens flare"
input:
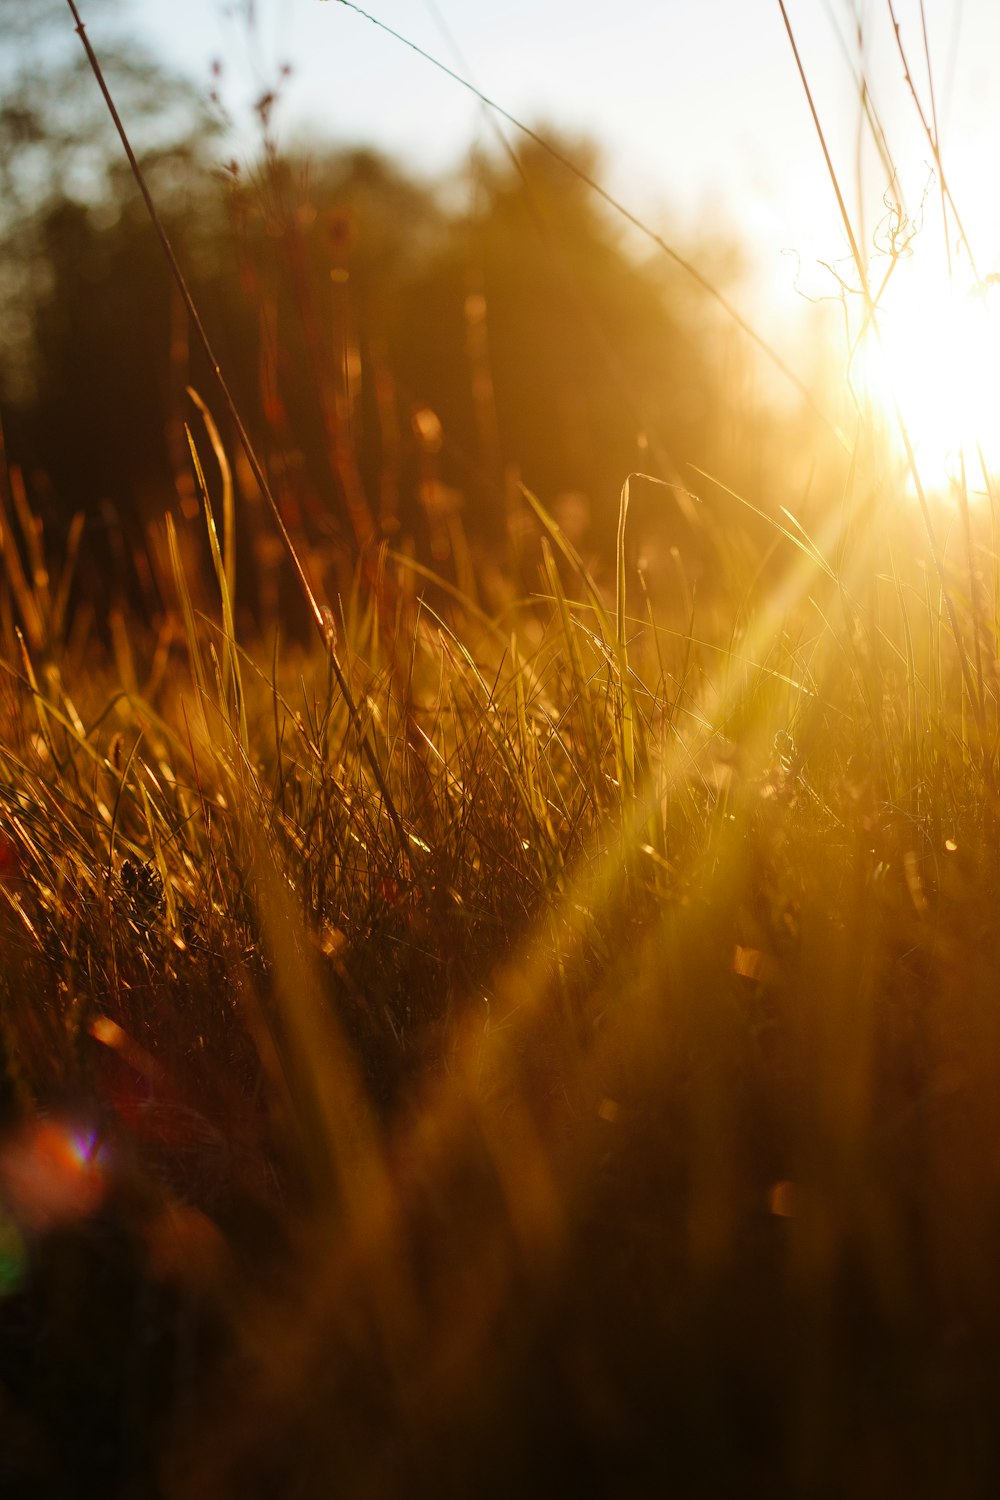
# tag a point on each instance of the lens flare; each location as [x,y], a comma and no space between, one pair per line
[52,1172]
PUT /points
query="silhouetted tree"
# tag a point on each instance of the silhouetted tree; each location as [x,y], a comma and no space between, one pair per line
[399,362]
[541,343]
[58,146]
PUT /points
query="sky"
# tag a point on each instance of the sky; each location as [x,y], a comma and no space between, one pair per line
[697,104]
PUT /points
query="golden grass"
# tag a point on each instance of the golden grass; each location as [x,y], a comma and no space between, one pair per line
[542,1049]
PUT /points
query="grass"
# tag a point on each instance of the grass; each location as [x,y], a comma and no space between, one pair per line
[623,1124]
[543,1048]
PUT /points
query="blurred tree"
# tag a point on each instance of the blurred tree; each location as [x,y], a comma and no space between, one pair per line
[399,361]
[92,371]
[325,248]
[58,146]
[540,342]
[56,138]
[452,349]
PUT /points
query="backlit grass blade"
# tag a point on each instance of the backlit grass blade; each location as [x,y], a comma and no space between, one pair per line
[232,685]
[583,696]
[187,612]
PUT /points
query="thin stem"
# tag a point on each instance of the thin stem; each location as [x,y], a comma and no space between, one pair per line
[619,208]
[321,617]
[842,206]
[866,293]
[937,133]
[931,135]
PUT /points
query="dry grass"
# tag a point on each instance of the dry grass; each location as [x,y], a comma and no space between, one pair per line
[625,1124]
[542,1047]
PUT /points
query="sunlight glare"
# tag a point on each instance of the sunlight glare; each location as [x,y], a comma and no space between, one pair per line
[935,360]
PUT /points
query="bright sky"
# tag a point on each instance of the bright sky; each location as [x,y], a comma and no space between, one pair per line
[697,103]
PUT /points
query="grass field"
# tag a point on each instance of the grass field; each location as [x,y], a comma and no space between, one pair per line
[531,1044]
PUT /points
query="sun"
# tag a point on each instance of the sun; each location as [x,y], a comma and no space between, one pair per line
[931,364]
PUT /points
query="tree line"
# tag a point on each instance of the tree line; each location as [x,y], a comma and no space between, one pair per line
[405,354]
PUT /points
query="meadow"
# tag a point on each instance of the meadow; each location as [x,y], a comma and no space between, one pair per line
[532,1030]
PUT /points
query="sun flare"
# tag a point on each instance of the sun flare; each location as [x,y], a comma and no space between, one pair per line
[932,364]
